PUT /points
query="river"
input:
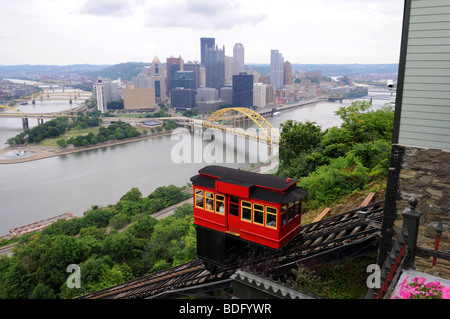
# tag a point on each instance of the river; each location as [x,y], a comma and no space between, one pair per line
[75,182]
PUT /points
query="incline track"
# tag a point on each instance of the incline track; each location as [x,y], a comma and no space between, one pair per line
[338,237]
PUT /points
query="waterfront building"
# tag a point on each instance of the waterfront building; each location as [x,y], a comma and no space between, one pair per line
[226,94]
[207,94]
[270,95]
[206,43]
[106,91]
[242,90]
[276,69]
[183,99]
[238,59]
[259,94]
[209,106]
[158,80]
[139,98]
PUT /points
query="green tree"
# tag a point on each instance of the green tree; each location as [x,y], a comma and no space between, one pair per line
[42,291]
[298,138]
[62,143]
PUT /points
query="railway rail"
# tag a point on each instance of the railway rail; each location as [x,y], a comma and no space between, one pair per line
[338,237]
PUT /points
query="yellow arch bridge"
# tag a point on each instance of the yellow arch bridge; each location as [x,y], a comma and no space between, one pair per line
[237,120]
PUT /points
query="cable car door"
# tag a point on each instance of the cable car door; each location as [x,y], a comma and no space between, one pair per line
[233,215]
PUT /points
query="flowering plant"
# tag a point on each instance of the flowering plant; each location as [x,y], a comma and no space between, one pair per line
[417,289]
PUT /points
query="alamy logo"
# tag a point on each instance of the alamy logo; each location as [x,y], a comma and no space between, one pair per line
[374,279]
[74,280]
[222,147]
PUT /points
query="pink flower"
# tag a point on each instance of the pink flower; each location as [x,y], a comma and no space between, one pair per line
[446,292]
[419,280]
[434,285]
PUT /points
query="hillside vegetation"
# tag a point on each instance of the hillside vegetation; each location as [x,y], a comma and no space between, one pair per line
[121,242]
[339,161]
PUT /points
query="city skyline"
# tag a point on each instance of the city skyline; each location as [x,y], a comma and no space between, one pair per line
[101,32]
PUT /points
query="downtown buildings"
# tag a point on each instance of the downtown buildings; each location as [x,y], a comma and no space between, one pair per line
[217,80]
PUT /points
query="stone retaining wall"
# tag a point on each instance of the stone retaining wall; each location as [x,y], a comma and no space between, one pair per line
[423,173]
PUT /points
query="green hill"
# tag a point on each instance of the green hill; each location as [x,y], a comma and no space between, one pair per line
[125,71]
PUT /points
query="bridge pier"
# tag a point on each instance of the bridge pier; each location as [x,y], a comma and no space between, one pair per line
[25,123]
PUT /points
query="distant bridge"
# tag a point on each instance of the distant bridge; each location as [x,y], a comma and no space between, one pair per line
[25,116]
[64,96]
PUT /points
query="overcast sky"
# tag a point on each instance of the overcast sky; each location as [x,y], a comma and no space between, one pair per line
[115,31]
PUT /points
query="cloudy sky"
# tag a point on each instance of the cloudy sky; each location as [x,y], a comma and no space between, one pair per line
[116,31]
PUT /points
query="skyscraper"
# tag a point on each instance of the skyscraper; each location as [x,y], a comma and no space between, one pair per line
[243,90]
[194,67]
[276,69]
[215,67]
[106,91]
[158,80]
[238,58]
[178,65]
[288,76]
[204,44]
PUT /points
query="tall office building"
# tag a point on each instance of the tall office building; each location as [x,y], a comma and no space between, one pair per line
[183,99]
[288,76]
[206,43]
[106,91]
[183,79]
[215,67]
[194,67]
[173,65]
[228,70]
[276,69]
[259,94]
[238,58]
[243,90]
[158,80]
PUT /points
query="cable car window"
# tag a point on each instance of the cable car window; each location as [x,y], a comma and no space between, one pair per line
[234,199]
[284,219]
[271,217]
[291,211]
[298,208]
[209,201]
[246,212]
[220,204]
[199,198]
[233,206]
[258,214]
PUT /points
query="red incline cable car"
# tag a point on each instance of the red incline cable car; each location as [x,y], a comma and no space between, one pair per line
[235,208]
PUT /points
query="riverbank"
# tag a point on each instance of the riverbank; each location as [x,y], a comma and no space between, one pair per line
[42,152]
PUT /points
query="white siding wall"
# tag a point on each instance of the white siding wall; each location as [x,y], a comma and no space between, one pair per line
[425,115]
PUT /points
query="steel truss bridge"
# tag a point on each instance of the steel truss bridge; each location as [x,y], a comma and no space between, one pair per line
[65,96]
[238,121]
[25,116]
